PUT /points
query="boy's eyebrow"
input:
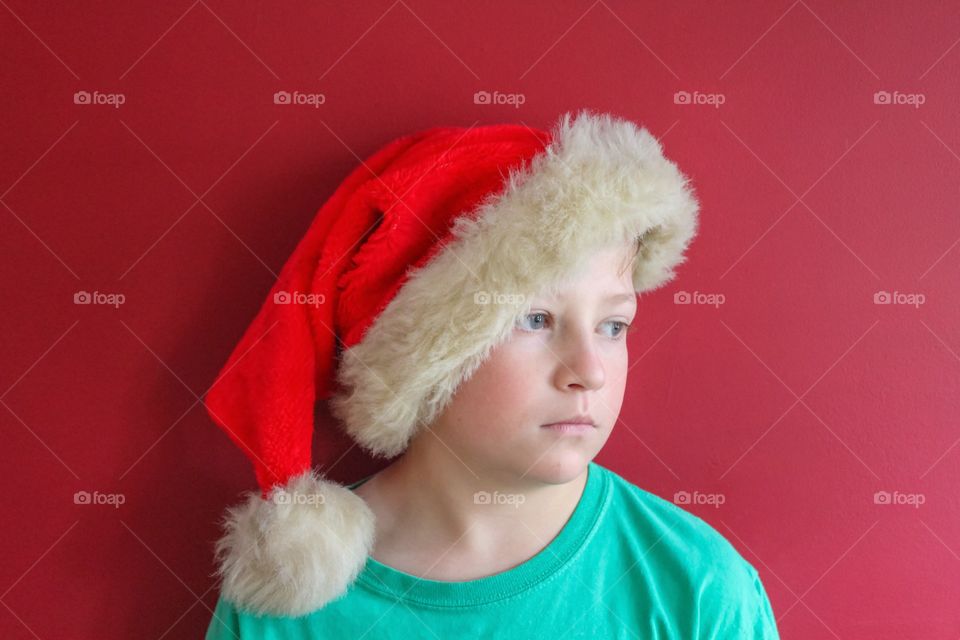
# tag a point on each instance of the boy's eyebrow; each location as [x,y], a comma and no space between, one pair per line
[614,298]
[621,297]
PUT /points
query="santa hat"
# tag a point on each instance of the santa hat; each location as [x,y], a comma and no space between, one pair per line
[418,265]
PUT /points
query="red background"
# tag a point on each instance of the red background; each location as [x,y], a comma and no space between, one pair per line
[796,399]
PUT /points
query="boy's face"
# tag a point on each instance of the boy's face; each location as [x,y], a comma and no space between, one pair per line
[567,357]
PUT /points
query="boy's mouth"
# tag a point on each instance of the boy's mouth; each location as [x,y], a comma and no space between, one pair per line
[569,428]
[573,425]
[580,418]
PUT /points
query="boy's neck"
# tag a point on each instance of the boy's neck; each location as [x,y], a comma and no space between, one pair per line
[430,524]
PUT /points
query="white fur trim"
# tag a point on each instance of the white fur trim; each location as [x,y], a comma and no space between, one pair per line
[295,551]
[599,182]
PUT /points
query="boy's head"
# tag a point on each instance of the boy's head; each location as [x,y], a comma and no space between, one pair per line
[382,311]
[566,358]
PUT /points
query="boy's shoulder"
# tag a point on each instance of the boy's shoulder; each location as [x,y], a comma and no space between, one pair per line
[674,535]
[691,561]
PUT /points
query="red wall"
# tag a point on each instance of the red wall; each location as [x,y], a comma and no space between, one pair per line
[796,399]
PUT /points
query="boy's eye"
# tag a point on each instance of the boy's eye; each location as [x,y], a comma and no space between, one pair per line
[622,328]
[538,319]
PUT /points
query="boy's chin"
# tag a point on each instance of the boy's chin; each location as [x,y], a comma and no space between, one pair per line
[558,467]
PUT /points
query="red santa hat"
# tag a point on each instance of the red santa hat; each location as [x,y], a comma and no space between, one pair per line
[418,265]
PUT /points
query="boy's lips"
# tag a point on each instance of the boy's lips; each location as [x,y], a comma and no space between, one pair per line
[569,428]
[574,425]
[579,419]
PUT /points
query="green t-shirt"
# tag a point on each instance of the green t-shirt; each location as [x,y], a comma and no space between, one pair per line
[627,564]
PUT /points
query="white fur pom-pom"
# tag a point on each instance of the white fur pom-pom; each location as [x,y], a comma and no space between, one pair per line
[300,548]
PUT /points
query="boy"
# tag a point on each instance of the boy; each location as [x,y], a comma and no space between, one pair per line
[471,295]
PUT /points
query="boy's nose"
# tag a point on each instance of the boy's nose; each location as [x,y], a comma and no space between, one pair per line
[580,365]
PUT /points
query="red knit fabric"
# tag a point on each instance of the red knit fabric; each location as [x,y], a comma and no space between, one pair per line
[393,213]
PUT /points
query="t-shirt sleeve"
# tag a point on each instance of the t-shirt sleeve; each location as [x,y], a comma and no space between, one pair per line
[737,608]
[225,623]
[764,624]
